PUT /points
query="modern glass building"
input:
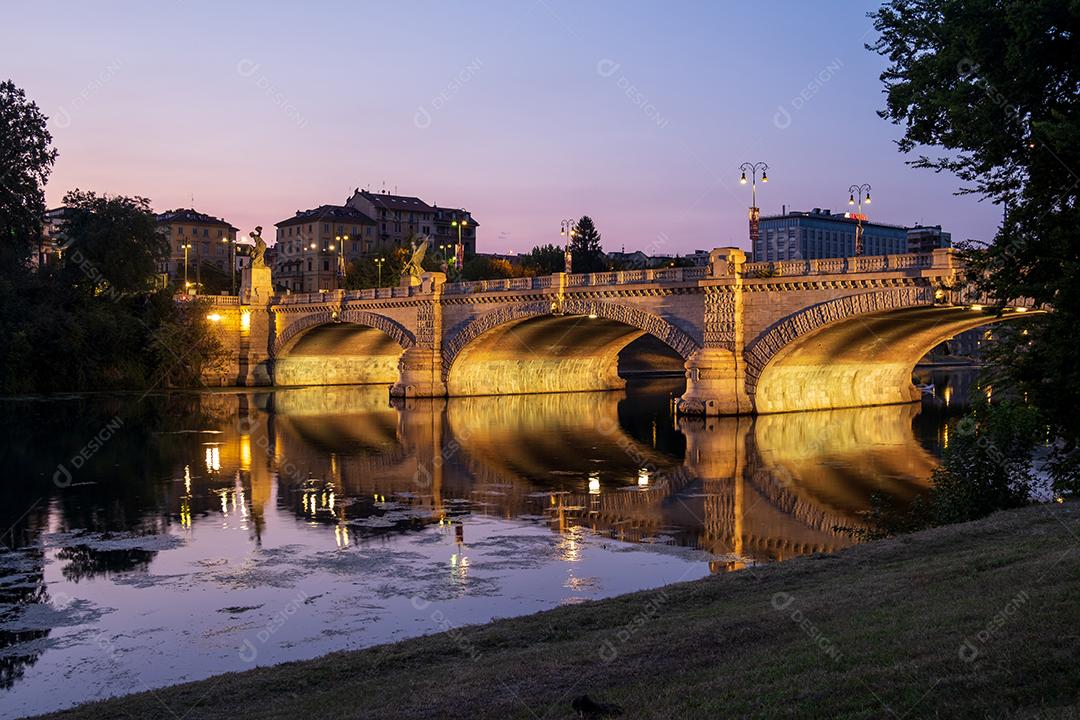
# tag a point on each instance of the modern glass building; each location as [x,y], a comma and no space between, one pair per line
[799,235]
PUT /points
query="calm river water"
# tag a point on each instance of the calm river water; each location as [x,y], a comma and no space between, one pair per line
[150,541]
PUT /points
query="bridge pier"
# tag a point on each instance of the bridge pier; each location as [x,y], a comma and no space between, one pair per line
[715,384]
[253,356]
[420,374]
[420,369]
[716,373]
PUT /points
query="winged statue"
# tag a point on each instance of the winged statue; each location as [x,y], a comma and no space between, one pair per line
[413,268]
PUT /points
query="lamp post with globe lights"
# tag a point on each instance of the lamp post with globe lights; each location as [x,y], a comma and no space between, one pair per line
[755,214]
[567,231]
[856,195]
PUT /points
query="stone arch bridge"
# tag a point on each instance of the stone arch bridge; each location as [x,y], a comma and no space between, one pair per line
[752,337]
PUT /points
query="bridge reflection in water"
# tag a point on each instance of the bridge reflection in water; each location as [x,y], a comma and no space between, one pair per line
[745,489]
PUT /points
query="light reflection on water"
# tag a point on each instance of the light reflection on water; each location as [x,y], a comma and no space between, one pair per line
[221,530]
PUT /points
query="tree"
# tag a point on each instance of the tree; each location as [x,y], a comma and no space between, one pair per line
[183,345]
[546,259]
[26,160]
[213,280]
[113,243]
[993,85]
[480,267]
[588,256]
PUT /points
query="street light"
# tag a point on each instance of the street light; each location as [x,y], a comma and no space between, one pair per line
[232,263]
[567,230]
[755,214]
[379,263]
[459,249]
[862,192]
[186,246]
[341,240]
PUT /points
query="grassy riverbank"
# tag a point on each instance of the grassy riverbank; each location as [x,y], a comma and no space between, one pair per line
[975,620]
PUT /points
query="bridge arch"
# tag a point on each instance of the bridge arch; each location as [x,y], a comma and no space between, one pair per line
[293,330]
[781,334]
[339,347]
[837,357]
[529,347]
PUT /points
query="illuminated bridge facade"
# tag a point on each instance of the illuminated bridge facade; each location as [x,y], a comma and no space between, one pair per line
[750,337]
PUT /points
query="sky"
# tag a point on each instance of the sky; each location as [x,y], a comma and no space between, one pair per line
[524,112]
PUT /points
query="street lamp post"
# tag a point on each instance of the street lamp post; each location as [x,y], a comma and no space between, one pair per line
[856,195]
[232,263]
[379,263]
[567,231]
[187,246]
[459,249]
[341,240]
[755,214]
[314,247]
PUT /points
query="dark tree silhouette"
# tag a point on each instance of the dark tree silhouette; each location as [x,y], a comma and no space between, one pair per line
[26,159]
[992,87]
[546,259]
[585,247]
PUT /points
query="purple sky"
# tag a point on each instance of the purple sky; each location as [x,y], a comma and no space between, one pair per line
[526,113]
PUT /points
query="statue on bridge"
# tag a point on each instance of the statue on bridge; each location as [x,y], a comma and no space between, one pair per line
[256,284]
[258,253]
[413,268]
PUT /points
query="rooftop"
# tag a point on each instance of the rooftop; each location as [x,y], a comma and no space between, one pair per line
[387,201]
[454,212]
[328,212]
[190,215]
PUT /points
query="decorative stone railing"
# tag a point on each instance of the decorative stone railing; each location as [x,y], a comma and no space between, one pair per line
[219,300]
[759,270]
[837,266]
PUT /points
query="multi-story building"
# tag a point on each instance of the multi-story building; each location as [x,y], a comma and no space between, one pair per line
[798,235]
[195,240]
[399,218]
[448,221]
[314,246]
[923,239]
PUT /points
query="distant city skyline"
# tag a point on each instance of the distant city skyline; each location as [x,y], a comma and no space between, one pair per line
[635,114]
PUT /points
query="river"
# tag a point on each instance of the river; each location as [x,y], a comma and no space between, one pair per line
[155,540]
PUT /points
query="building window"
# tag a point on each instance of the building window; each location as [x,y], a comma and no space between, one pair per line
[325,265]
